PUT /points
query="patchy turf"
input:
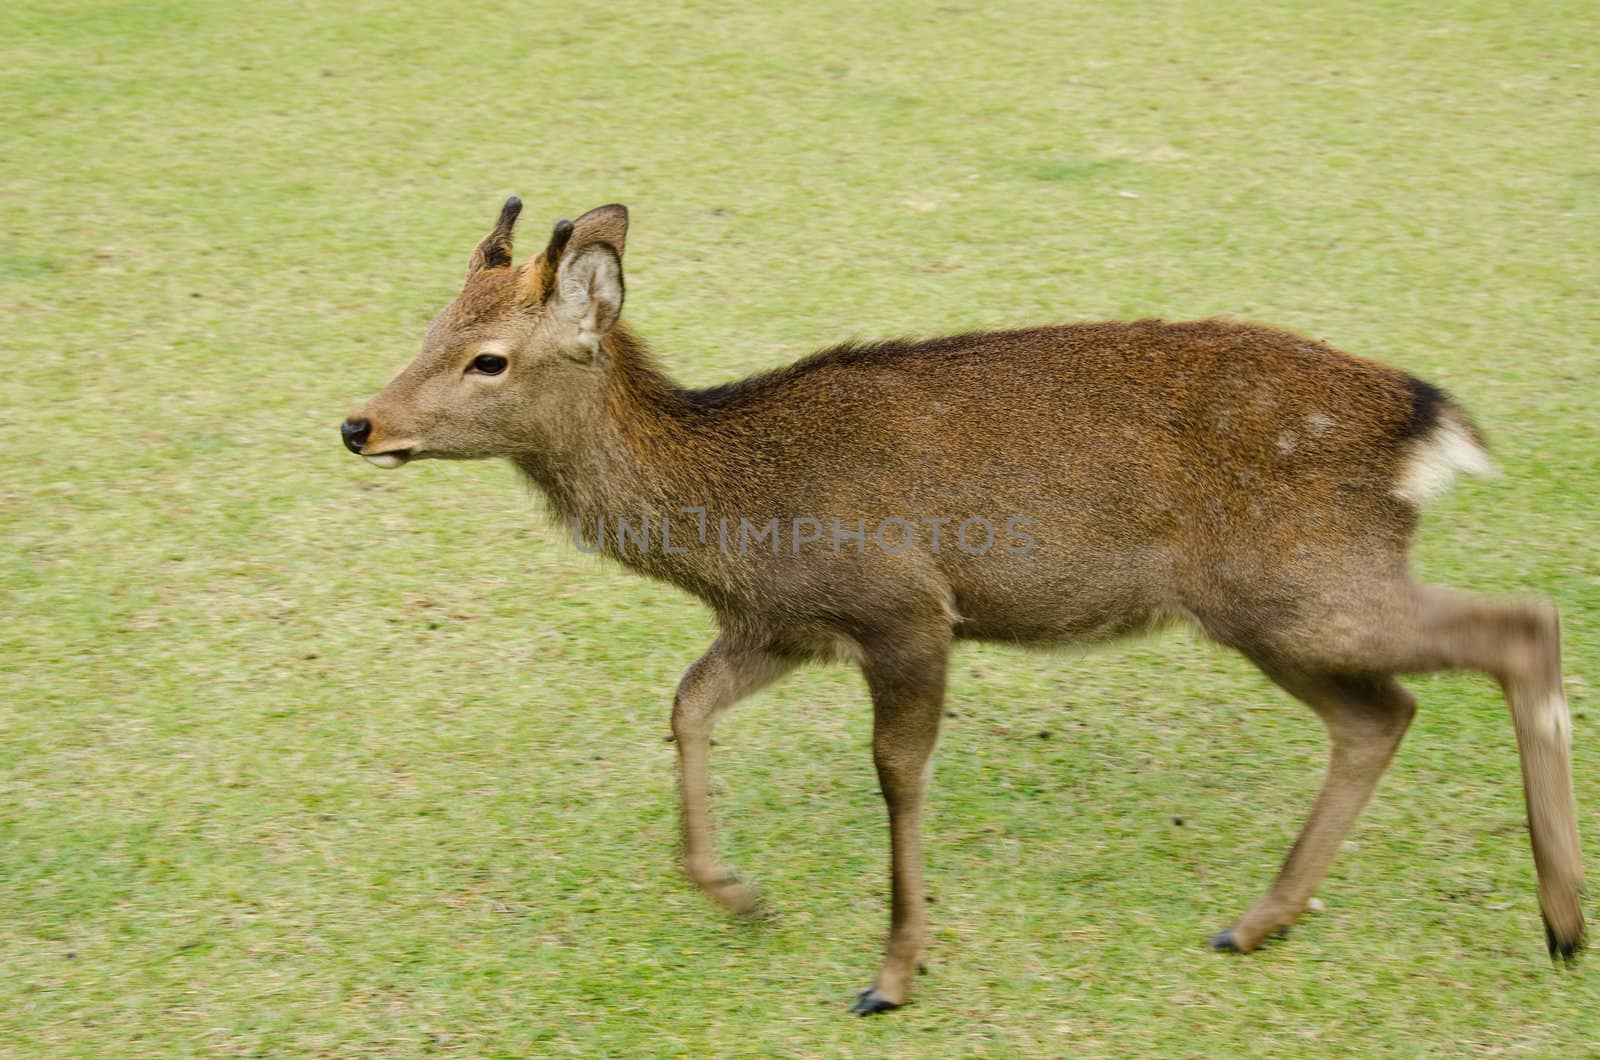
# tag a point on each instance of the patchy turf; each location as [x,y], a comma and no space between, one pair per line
[297,758]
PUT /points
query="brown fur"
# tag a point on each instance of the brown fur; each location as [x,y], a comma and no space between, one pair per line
[1236,477]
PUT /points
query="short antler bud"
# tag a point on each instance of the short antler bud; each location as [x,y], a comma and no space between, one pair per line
[495,250]
[558,241]
[542,277]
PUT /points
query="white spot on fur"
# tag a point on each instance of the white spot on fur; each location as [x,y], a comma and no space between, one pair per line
[1318,423]
[1435,460]
[950,613]
[1287,442]
[1555,720]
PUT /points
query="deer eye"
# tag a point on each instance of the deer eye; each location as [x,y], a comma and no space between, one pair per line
[488,364]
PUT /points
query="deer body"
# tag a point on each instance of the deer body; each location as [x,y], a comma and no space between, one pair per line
[1050,486]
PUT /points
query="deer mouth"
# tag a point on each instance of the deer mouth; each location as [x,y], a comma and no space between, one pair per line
[392,459]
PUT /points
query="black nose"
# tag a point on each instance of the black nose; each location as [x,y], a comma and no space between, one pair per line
[355,434]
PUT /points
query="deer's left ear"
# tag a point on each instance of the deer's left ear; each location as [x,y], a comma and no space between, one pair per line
[603,224]
[588,295]
[494,251]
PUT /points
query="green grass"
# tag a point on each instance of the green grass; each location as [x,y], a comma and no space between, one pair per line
[298,758]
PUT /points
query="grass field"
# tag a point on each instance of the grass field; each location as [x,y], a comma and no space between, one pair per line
[298,758]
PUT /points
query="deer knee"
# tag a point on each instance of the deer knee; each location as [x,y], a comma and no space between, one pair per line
[694,704]
[1367,717]
[1401,710]
[1531,641]
[692,720]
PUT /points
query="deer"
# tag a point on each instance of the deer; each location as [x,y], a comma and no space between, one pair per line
[876,503]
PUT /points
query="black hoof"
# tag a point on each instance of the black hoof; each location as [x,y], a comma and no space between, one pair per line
[1224,942]
[870,1003]
[1560,950]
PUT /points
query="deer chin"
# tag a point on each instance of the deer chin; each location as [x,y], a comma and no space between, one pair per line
[390,460]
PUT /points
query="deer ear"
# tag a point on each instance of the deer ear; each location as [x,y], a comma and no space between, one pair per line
[494,251]
[603,224]
[588,293]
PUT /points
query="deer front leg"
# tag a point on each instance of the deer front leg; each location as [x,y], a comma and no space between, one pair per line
[907,704]
[719,679]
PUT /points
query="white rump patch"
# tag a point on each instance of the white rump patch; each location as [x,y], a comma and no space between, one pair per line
[1434,461]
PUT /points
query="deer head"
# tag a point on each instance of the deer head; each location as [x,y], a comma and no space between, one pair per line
[510,367]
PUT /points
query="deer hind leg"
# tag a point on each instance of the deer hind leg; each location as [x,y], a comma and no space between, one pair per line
[1407,628]
[1518,643]
[720,678]
[1366,718]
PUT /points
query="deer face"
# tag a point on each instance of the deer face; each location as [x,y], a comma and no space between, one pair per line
[510,367]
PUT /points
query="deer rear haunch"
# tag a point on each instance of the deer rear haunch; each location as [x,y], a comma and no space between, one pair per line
[876,503]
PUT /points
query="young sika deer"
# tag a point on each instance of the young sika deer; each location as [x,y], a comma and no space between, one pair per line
[1090,481]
